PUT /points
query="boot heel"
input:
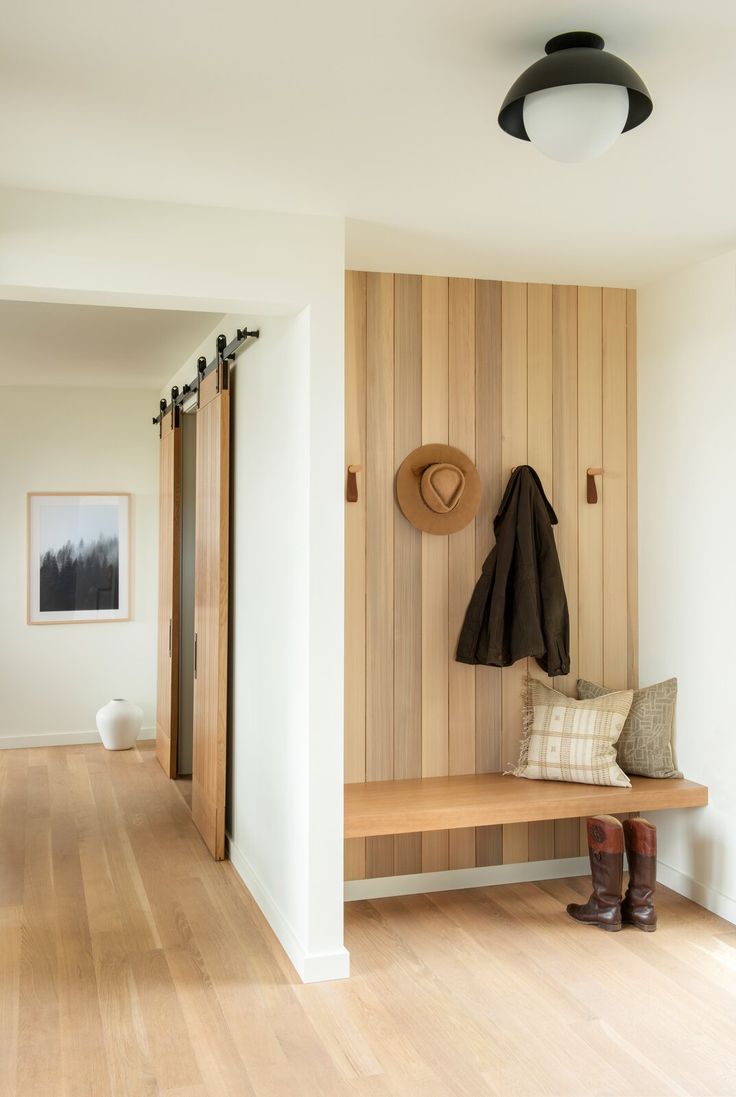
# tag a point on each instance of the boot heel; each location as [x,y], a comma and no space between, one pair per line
[642,926]
[606,850]
[641,847]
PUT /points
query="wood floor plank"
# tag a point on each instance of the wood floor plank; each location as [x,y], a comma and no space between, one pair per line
[124,1035]
[459,994]
[172,1053]
[39,998]
[340,1034]
[213,1042]
[13,795]
[83,1060]
[11,924]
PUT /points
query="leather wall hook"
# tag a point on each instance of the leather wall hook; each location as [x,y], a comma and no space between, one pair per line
[352,491]
[592,490]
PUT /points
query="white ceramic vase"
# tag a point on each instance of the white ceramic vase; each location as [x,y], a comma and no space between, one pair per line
[119,724]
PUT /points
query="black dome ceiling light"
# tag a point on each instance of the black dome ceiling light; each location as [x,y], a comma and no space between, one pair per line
[575,102]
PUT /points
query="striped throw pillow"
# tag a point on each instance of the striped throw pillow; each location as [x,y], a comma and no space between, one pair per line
[567,740]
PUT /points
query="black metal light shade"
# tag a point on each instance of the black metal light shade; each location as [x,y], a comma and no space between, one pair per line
[574,58]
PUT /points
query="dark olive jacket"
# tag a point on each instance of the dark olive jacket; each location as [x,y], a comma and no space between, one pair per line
[519,607]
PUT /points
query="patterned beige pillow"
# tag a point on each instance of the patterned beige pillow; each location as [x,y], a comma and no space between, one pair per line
[646,745]
[567,740]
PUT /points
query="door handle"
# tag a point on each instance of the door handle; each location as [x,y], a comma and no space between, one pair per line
[195,655]
[170,637]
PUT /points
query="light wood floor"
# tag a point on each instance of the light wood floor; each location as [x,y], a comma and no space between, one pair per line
[132,964]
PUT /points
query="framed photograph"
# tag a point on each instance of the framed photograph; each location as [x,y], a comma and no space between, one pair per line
[78,558]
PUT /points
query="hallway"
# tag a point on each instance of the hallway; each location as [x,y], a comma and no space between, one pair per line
[132,964]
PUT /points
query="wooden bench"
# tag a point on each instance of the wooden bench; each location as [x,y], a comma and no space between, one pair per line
[487,799]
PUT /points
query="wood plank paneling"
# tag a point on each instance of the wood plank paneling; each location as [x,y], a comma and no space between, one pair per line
[435,607]
[461,553]
[590,517]
[590,455]
[407,557]
[379,488]
[514,398]
[512,374]
[632,493]
[355,531]
[540,457]
[566,499]
[489,457]
[614,494]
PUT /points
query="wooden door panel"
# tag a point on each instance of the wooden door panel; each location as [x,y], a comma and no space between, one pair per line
[167,693]
[209,744]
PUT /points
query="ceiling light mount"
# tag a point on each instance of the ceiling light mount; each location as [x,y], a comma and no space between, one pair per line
[575,39]
[576,100]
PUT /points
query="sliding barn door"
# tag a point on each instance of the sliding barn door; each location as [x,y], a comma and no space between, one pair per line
[211,611]
[167,700]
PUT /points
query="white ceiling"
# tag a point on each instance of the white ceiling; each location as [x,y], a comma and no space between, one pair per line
[96,346]
[383,112]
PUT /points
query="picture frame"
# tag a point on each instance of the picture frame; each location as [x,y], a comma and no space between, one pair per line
[78,558]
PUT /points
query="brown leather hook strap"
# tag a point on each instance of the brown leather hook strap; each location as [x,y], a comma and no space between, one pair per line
[352,489]
[591,488]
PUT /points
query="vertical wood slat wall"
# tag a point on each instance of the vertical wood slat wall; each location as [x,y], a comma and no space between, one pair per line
[510,373]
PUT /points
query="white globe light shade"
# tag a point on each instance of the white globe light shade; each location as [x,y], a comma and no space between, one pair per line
[576,122]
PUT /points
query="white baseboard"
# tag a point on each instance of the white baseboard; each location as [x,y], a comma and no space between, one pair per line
[527,872]
[60,739]
[710,898]
[310,967]
[454,879]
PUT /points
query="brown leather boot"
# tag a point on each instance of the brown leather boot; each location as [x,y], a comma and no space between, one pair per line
[606,849]
[637,908]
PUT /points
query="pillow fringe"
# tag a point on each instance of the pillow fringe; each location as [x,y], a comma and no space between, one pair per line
[527,707]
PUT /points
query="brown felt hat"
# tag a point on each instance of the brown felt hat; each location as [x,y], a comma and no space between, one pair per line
[438,489]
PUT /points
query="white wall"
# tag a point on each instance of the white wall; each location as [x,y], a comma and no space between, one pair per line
[67,247]
[53,678]
[269,593]
[270,664]
[687,533]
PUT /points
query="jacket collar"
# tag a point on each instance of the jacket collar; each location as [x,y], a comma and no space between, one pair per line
[523,475]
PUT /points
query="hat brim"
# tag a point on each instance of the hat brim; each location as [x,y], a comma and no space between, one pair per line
[409,495]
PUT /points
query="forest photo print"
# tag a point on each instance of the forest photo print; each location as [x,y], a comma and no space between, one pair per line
[78,558]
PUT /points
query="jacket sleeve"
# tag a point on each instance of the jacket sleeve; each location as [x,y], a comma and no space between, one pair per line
[472,645]
[553,601]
